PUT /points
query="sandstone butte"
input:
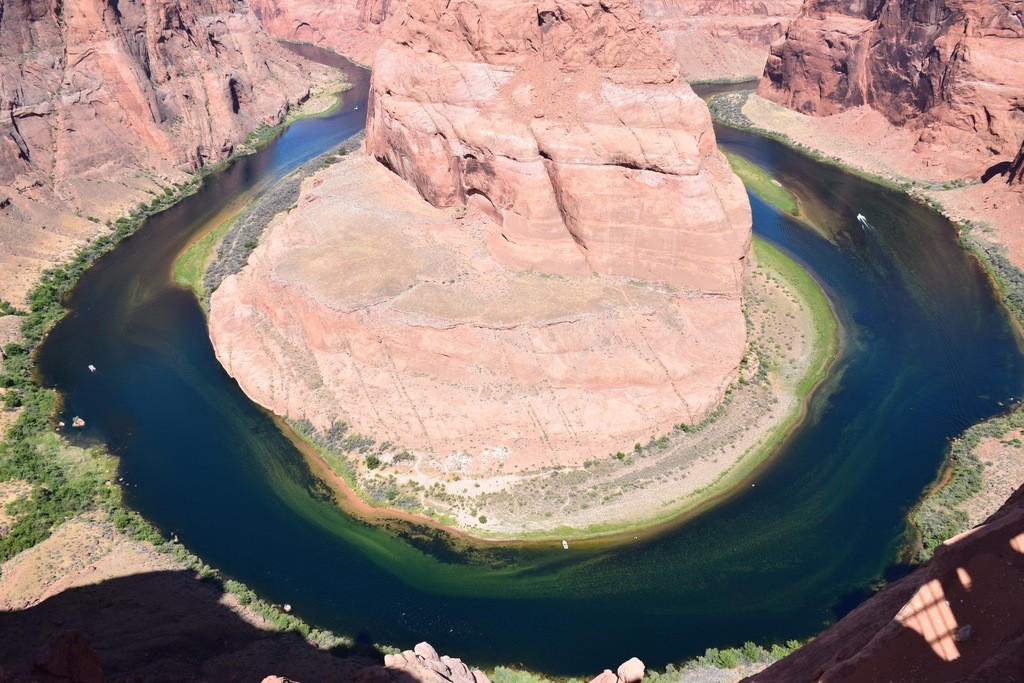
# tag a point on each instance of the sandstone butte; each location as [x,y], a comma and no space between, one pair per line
[103,101]
[711,39]
[589,298]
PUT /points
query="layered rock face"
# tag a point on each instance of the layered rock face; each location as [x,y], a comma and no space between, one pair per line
[587,298]
[101,100]
[117,86]
[948,67]
[959,617]
[720,39]
[570,127]
[354,28]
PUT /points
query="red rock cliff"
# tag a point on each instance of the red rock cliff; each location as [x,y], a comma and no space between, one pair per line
[569,125]
[86,83]
[949,67]
[100,99]
[719,39]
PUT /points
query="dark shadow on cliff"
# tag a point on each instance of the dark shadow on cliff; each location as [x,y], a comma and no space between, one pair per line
[160,626]
[958,617]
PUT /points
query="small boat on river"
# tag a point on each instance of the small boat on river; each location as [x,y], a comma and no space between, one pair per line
[565,545]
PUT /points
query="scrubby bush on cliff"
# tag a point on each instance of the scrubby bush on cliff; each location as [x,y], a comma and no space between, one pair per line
[243,237]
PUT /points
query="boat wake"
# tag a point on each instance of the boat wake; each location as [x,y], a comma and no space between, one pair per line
[863,221]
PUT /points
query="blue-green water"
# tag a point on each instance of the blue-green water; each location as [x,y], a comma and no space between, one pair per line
[929,351]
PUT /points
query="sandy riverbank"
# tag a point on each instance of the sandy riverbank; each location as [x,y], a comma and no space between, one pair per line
[863,140]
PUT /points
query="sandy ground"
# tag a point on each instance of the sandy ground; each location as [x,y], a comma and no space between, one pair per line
[1003,459]
[83,551]
[864,139]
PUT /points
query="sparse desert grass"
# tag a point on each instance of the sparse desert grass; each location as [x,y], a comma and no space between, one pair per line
[983,467]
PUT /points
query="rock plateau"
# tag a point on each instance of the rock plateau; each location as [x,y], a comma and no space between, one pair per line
[711,39]
[572,283]
[354,28]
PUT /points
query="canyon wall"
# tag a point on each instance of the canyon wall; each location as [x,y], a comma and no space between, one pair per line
[950,69]
[569,126]
[720,40]
[101,101]
[711,40]
[354,28]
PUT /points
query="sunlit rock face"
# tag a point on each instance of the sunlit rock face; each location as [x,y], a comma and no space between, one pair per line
[570,126]
[540,261]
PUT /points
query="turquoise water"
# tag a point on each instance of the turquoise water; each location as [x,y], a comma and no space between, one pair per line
[929,351]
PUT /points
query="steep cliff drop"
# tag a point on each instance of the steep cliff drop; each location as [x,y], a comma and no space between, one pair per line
[720,40]
[102,102]
[960,617]
[573,285]
[949,69]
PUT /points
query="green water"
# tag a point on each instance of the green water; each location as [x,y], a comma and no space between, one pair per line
[929,352]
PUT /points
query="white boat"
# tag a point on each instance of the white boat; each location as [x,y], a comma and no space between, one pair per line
[92,368]
[565,545]
[861,218]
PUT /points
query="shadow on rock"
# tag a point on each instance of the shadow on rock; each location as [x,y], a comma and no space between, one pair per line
[159,626]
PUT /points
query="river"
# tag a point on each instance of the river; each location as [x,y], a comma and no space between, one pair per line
[928,352]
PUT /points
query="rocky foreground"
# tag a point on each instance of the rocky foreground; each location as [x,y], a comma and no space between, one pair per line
[104,103]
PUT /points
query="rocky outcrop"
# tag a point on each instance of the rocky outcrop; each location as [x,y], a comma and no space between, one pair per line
[958,617]
[569,125]
[365,304]
[422,664]
[95,86]
[102,100]
[1016,171]
[354,28]
[572,284]
[720,39]
[949,68]
[67,656]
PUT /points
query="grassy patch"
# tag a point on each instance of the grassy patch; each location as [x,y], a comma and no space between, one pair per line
[757,180]
[191,265]
[823,320]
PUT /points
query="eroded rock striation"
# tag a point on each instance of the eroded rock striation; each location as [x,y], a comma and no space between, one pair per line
[569,125]
[571,285]
[102,100]
[949,68]
[720,39]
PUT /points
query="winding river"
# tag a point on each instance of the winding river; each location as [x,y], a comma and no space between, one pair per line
[928,352]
